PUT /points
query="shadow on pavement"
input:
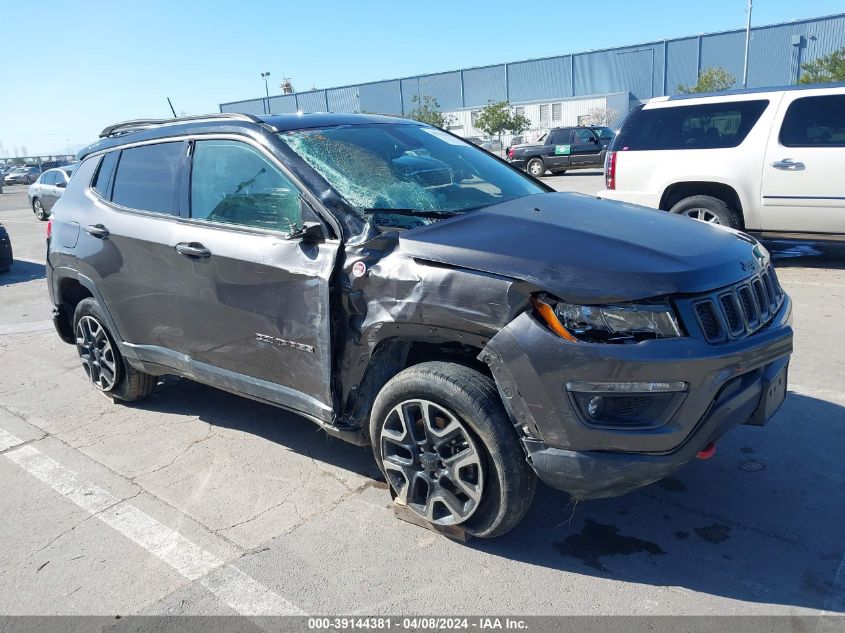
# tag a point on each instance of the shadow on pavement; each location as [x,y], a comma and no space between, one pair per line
[22,271]
[225,410]
[760,522]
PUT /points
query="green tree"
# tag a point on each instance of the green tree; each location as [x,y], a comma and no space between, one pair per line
[519,123]
[497,117]
[828,68]
[710,80]
[427,110]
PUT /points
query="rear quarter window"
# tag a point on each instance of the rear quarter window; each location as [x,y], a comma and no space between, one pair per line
[700,126]
[103,178]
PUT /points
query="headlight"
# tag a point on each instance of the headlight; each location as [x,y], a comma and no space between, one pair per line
[624,323]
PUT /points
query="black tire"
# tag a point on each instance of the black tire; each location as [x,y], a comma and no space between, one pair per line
[709,209]
[509,482]
[128,384]
[38,210]
[536,167]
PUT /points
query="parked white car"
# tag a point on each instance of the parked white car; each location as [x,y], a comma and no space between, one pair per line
[768,161]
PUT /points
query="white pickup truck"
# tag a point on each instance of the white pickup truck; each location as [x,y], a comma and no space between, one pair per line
[767,161]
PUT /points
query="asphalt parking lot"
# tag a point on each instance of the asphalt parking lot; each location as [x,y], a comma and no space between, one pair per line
[199,502]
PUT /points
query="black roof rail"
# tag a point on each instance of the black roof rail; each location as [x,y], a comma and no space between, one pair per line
[135,125]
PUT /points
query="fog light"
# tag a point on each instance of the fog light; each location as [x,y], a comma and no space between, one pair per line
[626,410]
[594,406]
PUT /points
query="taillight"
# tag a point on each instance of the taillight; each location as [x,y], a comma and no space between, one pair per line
[610,170]
[49,229]
[511,152]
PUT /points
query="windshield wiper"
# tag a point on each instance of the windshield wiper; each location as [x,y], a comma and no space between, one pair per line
[438,215]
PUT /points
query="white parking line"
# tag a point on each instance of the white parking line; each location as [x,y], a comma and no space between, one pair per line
[7,440]
[240,591]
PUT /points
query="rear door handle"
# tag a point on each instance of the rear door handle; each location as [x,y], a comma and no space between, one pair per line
[193,250]
[787,164]
[98,231]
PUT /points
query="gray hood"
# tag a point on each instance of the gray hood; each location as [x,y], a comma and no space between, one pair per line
[587,250]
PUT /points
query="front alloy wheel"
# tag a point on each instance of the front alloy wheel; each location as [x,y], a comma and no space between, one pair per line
[432,462]
[96,353]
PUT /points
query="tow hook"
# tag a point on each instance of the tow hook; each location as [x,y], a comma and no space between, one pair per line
[707,452]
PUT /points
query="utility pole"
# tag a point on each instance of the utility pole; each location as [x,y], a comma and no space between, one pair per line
[266,78]
[747,44]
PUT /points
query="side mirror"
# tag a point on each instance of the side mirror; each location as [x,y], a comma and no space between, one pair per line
[61,185]
[308,232]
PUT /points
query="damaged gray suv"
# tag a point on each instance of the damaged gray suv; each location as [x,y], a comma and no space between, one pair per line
[402,288]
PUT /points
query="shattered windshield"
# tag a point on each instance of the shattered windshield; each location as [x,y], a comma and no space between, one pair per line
[407,175]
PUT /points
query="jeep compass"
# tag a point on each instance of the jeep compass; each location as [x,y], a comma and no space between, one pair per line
[403,289]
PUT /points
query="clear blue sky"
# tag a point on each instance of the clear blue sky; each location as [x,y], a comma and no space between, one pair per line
[70,67]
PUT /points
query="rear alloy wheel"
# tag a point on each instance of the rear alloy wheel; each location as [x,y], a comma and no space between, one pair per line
[101,357]
[536,167]
[708,209]
[96,353]
[449,451]
[38,209]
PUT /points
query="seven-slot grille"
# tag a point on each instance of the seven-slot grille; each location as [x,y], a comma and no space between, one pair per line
[740,310]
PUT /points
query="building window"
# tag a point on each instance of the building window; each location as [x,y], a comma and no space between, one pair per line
[555,112]
[520,111]
[473,116]
[544,114]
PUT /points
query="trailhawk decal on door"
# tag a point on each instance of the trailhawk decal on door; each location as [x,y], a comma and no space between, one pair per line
[272,340]
[563,150]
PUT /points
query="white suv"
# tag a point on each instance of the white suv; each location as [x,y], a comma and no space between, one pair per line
[769,161]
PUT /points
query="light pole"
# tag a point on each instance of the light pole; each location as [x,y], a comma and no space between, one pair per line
[266,78]
[747,43]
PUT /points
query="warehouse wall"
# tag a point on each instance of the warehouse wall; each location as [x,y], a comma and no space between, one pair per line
[558,113]
[645,71]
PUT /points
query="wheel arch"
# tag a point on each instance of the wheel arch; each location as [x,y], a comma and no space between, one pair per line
[402,346]
[69,288]
[728,194]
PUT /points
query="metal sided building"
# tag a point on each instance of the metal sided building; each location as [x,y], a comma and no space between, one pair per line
[560,90]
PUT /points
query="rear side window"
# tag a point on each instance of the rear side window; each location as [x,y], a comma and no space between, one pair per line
[814,122]
[104,174]
[147,177]
[701,126]
[48,178]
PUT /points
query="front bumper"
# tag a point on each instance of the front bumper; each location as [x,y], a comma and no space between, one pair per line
[727,385]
